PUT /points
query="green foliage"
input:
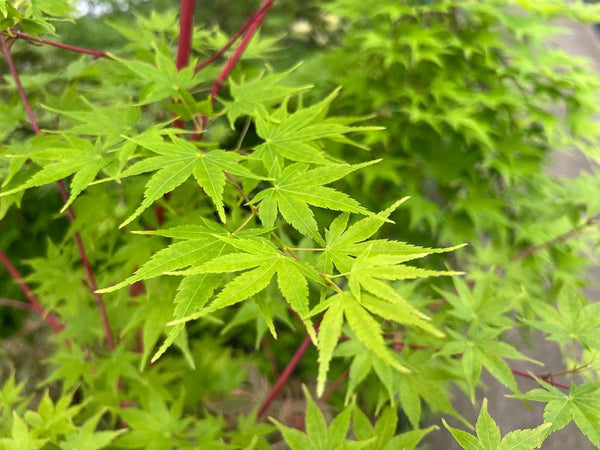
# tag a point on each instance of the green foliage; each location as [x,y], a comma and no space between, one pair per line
[488,435]
[210,233]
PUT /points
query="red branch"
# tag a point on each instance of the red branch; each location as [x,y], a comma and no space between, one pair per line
[65,197]
[184,46]
[255,22]
[252,26]
[50,319]
[285,375]
[532,377]
[15,75]
[233,38]
[186,28]
[87,51]
[10,303]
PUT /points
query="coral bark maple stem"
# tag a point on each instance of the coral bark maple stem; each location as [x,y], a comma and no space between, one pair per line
[237,54]
[184,45]
[82,252]
[72,48]
[186,28]
[50,319]
[285,375]
[233,38]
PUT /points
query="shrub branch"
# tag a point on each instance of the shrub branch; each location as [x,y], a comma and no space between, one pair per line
[36,306]
[72,48]
[63,192]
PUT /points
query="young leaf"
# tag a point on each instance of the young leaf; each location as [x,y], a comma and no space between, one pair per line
[488,435]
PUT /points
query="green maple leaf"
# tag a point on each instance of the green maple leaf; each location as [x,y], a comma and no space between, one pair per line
[574,319]
[162,79]
[318,435]
[177,161]
[86,436]
[581,404]
[295,136]
[260,260]
[488,435]
[196,244]
[101,121]
[422,383]
[362,323]
[22,437]
[344,243]
[60,159]
[481,348]
[252,97]
[296,187]
[382,434]
[478,307]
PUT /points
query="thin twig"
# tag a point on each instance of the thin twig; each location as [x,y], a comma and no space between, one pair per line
[226,47]
[237,54]
[88,51]
[50,319]
[285,375]
[65,197]
[233,38]
[254,23]
[557,240]
[532,377]
[20,90]
[9,303]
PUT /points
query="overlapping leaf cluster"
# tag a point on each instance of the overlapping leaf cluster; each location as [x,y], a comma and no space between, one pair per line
[276,209]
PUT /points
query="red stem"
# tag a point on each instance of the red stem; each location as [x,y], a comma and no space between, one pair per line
[9,303]
[184,46]
[531,377]
[285,375]
[65,197]
[50,319]
[255,22]
[233,38]
[15,75]
[88,51]
[186,28]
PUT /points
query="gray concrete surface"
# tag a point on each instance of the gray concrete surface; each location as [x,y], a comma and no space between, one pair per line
[510,413]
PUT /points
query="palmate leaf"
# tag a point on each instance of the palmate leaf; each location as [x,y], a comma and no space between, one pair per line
[59,160]
[196,244]
[162,78]
[294,136]
[488,435]
[101,121]
[382,434]
[481,348]
[178,160]
[296,187]
[251,98]
[366,275]
[260,260]
[364,326]
[581,404]
[574,319]
[344,242]
[318,435]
